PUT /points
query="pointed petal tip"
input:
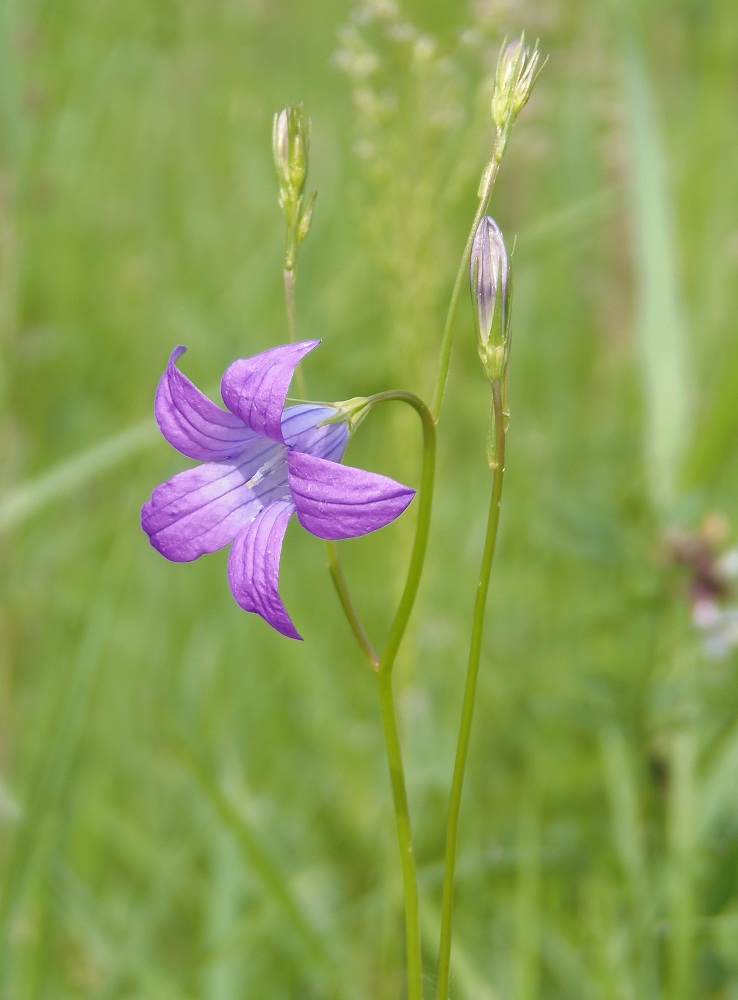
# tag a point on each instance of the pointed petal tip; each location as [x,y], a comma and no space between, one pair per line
[253,567]
[255,389]
[337,501]
[288,630]
[199,511]
[191,422]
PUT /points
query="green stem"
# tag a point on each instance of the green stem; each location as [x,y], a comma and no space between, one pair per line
[339,582]
[334,566]
[462,276]
[386,695]
[422,529]
[383,667]
[417,558]
[289,295]
[404,835]
[467,711]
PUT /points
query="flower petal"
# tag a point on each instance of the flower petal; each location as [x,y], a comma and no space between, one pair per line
[335,501]
[192,423]
[255,389]
[301,431]
[253,566]
[203,509]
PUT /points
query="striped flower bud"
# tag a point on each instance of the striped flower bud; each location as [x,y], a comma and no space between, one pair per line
[489,276]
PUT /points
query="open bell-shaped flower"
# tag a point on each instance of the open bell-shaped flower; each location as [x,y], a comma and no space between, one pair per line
[263,462]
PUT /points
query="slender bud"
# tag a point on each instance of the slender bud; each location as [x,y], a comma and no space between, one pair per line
[517,70]
[291,145]
[489,277]
[306,217]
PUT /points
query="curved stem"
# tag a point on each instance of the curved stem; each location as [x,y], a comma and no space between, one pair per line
[497,461]
[417,558]
[461,277]
[422,529]
[383,666]
[386,694]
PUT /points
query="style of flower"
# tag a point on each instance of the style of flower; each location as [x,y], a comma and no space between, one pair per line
[263,463]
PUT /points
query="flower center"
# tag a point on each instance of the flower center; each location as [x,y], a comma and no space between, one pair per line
[277,460]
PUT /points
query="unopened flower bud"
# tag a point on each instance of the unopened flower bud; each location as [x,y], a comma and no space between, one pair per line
[517,70]
[489,277]
[291,145]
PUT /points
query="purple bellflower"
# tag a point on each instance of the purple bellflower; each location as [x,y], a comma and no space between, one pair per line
[263,463]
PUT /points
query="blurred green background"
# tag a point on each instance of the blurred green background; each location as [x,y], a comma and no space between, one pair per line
[194,807]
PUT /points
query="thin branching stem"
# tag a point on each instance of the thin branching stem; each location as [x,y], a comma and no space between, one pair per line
[467,711]
[422,529]
[386,694]
[388,712]
[339,582]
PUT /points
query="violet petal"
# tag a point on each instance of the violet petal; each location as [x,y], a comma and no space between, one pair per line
[203,509]
[192,423]
[301,431]
[336,501]
[253,566]
[255,389]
